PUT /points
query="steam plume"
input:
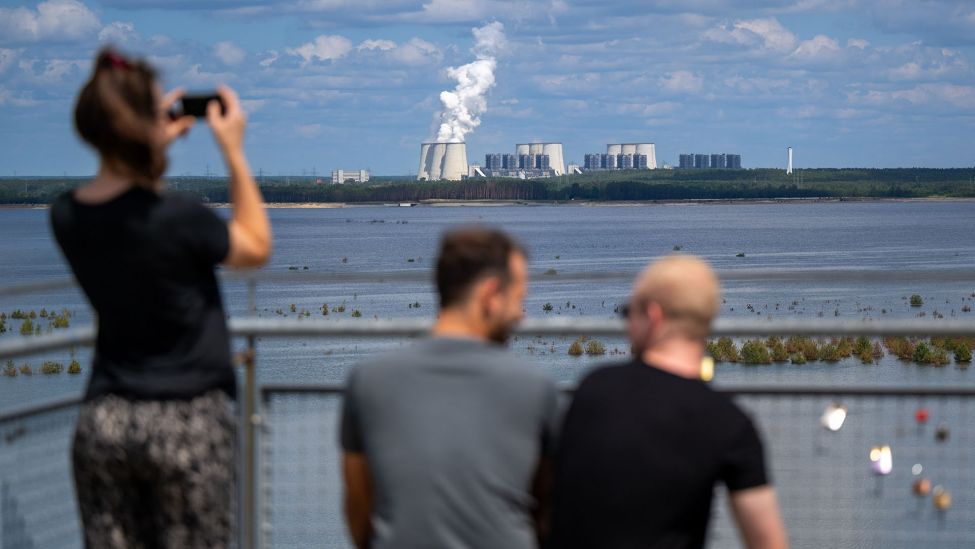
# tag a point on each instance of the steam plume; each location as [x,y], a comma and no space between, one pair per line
[463,106]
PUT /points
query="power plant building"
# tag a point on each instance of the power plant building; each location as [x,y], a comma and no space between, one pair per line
[713,161]
[623,156]
[530,160]
[448,161]
[354,176]
[556,160]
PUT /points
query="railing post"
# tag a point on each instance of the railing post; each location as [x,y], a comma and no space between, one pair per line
[250,528]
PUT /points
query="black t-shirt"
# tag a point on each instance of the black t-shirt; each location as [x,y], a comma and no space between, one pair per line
[146,262]
[639,455]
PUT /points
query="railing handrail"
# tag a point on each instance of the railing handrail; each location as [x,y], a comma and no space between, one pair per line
[36,287]
[804,274]
[50,405]
[565,325]
[751,390]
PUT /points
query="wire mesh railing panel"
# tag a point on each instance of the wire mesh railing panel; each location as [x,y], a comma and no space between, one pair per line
[38,509]
[919,490]
[301,490]
[895,472]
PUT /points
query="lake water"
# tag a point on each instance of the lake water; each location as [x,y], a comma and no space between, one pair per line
[885,237]
[827,485]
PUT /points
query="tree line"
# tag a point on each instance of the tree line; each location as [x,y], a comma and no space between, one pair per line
[593,186]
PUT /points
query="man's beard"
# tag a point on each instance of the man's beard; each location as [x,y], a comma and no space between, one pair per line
[501,332]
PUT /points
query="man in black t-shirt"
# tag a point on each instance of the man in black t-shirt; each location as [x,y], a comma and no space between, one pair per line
[645,442]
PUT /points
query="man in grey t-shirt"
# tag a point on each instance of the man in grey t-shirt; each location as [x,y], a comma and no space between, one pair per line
[446,443]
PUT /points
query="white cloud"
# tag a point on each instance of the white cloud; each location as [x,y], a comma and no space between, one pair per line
[821,5]
[649,110]
[923,94]
[159,41]
[195,76]
[766,33]
[118,32]
[308,130]
[556,8]
[325,47]
[7,97]
[907,71]
[922,63]
[7,58]
[251,106]
[756,84]
[857,43]
[53,20]
[168,64]
[382,45]
[577,106]
[682,82]
[229,53]
[52,71]
[443,11]
[417,51]
[819,49]
[272,56]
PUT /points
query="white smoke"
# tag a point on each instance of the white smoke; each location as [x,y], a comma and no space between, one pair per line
[463,106]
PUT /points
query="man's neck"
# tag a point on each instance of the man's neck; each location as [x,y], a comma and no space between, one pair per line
[457,323]
[680,357]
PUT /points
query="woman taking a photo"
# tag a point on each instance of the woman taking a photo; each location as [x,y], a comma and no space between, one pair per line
[155,447]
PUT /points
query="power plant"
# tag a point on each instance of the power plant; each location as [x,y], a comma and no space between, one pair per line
[714,161]
[623,156]
[530,160]
[442,161]
[448,161]
[553,151]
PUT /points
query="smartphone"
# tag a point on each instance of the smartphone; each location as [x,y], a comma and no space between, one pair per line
[196,105]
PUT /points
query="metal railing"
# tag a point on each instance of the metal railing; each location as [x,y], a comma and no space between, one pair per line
[829,495]
[42,432]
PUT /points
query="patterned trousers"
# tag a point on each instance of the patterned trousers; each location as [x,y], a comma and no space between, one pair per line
[157,474]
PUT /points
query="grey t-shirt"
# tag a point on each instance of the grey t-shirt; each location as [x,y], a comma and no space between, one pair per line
[453,430]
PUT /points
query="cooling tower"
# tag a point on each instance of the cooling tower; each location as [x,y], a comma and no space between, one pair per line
[629,149]
[555,160]
[650,150]
[421,172]
[442,161]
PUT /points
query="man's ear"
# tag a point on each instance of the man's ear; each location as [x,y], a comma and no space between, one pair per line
[655,313]
[485,291]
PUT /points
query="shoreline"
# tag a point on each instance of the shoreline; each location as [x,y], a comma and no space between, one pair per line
[442,203]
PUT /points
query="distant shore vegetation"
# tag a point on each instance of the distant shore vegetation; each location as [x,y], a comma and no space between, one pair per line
[935,351]
[644,185]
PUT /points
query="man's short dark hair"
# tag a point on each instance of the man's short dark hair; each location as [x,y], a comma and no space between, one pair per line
[468,255]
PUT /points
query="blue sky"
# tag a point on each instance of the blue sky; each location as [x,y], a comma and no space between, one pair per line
[355,84]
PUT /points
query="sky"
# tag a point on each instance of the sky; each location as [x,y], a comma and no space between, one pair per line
[351,84]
